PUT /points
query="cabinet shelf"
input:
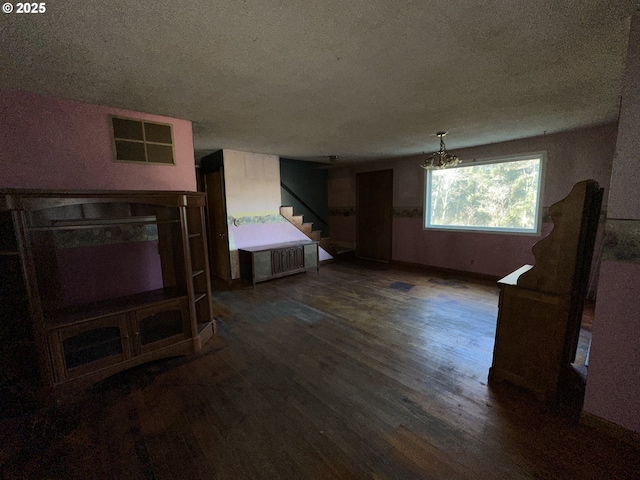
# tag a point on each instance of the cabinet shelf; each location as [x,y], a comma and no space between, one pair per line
[81,313]
[200,296]
[97,223]
[195,273]
[6,253]
[202,326]
[195,235]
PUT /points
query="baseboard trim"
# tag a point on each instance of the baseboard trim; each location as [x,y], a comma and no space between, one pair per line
[445,271]
[611,429]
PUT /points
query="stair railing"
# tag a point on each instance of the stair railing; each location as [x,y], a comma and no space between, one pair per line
[304,204]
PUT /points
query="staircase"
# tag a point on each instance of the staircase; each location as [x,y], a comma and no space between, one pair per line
[307,229]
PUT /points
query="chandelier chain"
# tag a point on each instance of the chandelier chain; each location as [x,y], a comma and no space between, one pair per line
[441,158]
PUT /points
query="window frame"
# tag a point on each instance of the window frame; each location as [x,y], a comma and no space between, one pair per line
[144,141]
[535,231]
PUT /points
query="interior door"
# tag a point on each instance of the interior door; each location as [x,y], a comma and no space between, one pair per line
[374,210]
[218,229]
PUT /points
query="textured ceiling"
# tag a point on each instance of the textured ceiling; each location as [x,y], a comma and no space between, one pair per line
[304,79]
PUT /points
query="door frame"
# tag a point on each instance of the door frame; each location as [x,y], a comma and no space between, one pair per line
[214,163]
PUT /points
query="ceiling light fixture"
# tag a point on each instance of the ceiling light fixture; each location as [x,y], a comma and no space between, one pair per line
[441,158]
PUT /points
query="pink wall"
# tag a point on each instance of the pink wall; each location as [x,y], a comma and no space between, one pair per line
[571,157]
[96,273]
[624,198]
[613,382]
[53,143]
[342,229]
[488,254]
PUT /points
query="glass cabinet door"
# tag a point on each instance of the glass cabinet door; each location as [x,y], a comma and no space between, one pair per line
[160,325]
[90,346]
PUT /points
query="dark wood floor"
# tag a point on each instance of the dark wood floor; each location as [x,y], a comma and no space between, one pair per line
[362,371]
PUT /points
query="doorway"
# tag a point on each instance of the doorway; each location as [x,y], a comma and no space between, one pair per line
[374,215]
[212,171]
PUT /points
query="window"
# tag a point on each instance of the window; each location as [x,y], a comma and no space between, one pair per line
[500,195]
[142,142]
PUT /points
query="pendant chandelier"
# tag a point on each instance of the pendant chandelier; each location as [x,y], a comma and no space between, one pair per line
[441,158]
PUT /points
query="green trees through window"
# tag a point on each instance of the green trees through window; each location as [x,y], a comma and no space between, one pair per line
[497,196]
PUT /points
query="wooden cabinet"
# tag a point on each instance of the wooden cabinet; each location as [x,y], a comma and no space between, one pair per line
[107,280]
[159,325]
[540,307]
[258,264]
[90,346]
[529,337]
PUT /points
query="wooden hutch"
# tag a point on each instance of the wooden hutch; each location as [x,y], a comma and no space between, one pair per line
[68,266]
[540,307]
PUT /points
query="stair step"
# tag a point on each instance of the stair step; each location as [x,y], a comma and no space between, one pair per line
[307,229]
[286,212]
[326,245]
